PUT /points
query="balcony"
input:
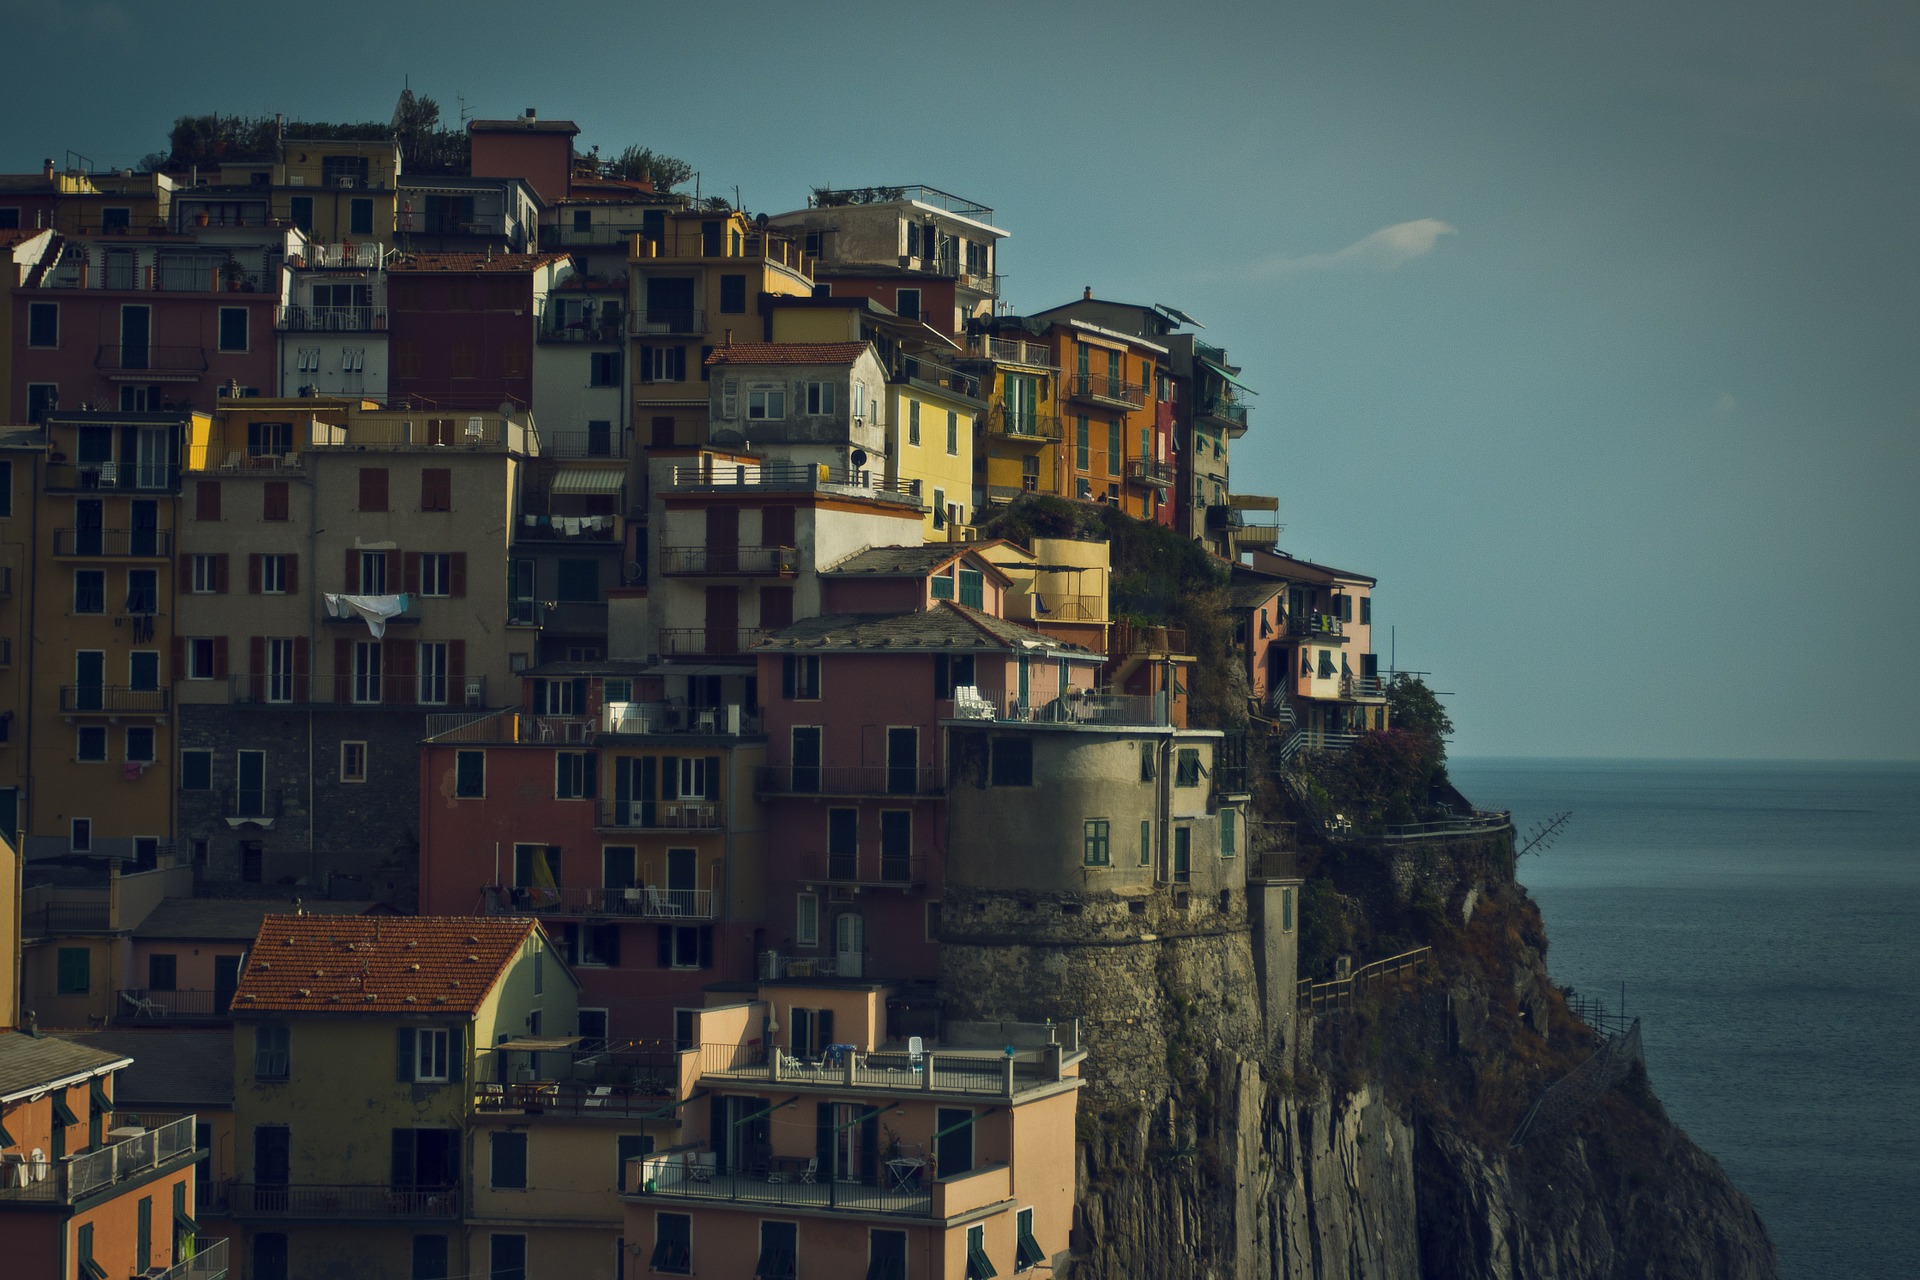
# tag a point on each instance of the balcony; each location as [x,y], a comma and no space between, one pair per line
[918,192]
[113,700]
[1033,355]
[50,918]
[288,690]
[1053,606]
[1363,688]
[142,1006]
[1147,473]
[938,375]
[1023,426]
[887,871]
[699,816]
[149,362]
[550,528]
[260,805]
[331,319]
[90,476]
[125,543]
[607,331]
[1233,524]
[1103,390]
[489,431]
[90,1173]
[978,1072]
[206,1260]
[687,642]
[654,321]
[1080,707]
[1223,411]
[583,444]
[729,562]
[603,235]
[639,902]
[367,1202]
[786,476]
[1324,628]
[849,780]
[674,716]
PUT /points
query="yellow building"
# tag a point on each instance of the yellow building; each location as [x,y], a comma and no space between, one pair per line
[1020,436]
[118,202]
[332,189]
[391,1013]
[932,416]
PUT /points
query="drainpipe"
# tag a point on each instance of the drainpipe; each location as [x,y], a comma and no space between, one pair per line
[1163,800]
[313,651]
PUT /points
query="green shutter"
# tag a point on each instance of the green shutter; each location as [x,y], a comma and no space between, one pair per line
[403,1055]
[143,1236]
[457,1054]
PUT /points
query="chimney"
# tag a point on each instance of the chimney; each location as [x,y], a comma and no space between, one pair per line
[532,117]
[1086,293]
[46,168]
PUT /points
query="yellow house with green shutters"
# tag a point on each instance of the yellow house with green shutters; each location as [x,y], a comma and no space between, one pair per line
[356,1082]
[931,419]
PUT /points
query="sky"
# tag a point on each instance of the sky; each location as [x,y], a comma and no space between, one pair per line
[1589,331]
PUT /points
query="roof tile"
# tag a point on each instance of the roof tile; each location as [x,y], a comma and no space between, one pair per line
[376,964]
[457,263]
[788,353]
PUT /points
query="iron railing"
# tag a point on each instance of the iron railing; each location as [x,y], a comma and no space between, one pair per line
[143,1004]
[112,542]
[342,1201]
[119,357]
[729,561]
[640,902]
[1034,355]
[1316,626]
[114,698]
[583,444]
[89,476]
[91,1172]
[202,1258]
[849,780]
[657,320]
[1100,388]
[1338,994]
[660,815]
[263,688]
[706,641]
[332,319]
[828,198]
[802,476]
[899,871]
[1023,426]
[1145,471]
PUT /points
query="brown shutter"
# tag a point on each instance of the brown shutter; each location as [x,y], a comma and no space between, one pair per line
[353,571]
[183,576]
[410,578]
[457,670]
[256,666]
[302,670]
[179,658]
[293,573]
[220,573]
[219,657]
[206,498]
[396,671]
[273,502]
[342,669]
[373,488]
[253,574]
[776,608]
[457,585]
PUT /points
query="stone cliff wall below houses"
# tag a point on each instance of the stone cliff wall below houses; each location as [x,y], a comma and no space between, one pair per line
[1376,1144]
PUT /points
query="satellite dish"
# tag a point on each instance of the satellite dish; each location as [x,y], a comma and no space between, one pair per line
[859,457]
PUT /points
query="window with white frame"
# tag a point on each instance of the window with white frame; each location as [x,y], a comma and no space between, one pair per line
[806,927]
[766,404]
[430,1057]
[273,575]
[353,360]
[431,661]
[201,657]
[820,399]
[436,574]
[366,671]
[308,359]
[573,775]
[353,761]
[373,573]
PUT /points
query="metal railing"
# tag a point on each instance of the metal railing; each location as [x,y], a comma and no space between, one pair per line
[899,871]
[474,431]
[605,329]
[90,1172]
[641,902]
[660,815]
[849,780]
[1101,388]
[918,191]
[1352,686]
[1011,351]
[89,476]
[143,1004]
[729,561]
[704,641]
[343,1201]
[550,528]
[203,1258]
[263,688]
[1023,426]
[938,375]
[116,357]
[1316,626]
[114,698]
[787,475]
[659,320]
[50,918]
[332,319]
[1225,411]
[1145,471]
[675,716]
[112,542]
[1338,994]
[668,1177]
[583,444]
[1050,606]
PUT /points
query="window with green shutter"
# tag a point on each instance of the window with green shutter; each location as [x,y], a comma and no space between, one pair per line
[75,971]
[1095,848]
[1229,834]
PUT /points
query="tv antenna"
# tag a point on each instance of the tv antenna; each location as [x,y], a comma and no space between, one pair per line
[1541,838]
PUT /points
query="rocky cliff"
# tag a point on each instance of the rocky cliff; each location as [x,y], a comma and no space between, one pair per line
[1368,1140]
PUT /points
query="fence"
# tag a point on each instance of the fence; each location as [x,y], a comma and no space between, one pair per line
[339,1200]
[1580,1088]
[1338,995]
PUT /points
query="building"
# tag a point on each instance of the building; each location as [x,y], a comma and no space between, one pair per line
[77,918]
[818,1137]
[393,1013]
[333,329]
[81,1192]
[22,252]
[1320,674]
[180,1073]
[464,327]
[332,190]
[1019,450]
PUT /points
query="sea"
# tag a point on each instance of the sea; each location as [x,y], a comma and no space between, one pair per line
[1762,920]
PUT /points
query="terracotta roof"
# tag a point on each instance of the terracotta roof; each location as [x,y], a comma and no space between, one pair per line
[371,964]
[30,1063]
[171,1067]
[945,628]
[228,919]
[475,262]
[788,353]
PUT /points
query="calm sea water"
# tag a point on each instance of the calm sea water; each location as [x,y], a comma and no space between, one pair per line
[1765,919]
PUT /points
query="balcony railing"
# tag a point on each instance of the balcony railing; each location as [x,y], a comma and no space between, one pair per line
[1052,607]
[1085,709]
[675,716]
[898,871]
[205,1259]
[657,320]
[49,918]
[950,1071]
[583,444]
[332,319]
[1033,355]
[255,804]
[116,357]
[716,562]
[287,689]
[1099,388]
[1023,426]
[660,815]
[1367,687]
[939,375]
[89,476]
[795,476]
[114,698]
[1225,411]
[919,191]
[426,431]
[849,780]
[1317,626]
[112,542]
[91,1172]
[143,1005]
[372,1202]
[551,528]
[703,641]
[603,330]
[640,902]
[1146,472]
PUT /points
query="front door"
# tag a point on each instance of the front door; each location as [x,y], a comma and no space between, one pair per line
[226,978]
[849,944]
[633,791]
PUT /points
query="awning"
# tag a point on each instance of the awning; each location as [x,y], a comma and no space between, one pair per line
[589,481]
[1223,372]
[62,1112]
[7,1139]
[184,1220]
[537,1044]
[100,1099]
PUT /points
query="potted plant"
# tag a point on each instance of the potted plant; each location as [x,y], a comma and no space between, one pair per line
[233,273]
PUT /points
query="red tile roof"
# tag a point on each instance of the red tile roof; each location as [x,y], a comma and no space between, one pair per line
[14,235]
[788,353]
[459,262]
[377,964]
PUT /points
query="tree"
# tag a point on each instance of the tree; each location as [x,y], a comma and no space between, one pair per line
[638,164]
[1414,707]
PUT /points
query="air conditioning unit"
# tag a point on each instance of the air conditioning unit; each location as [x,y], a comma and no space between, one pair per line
[345,184]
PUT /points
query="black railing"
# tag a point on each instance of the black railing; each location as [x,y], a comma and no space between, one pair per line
[88,476]
[661,815]
[707,641]
[849,780]
[113,698]
[652,320]
[144,1004]
[1023,426]
[125,357]
[610,443]
[901,870]
[1103,389]
[332,319]
[730,561]
[112,542]
[343,1201]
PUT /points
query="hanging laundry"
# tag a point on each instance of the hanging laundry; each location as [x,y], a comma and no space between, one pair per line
[374,609]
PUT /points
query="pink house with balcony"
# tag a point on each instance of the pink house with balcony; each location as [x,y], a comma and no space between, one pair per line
[1307,632]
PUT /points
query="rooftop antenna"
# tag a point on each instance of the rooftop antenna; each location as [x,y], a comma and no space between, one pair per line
[1541,838]
[461,98]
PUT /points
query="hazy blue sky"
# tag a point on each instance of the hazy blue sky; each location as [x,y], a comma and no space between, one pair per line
[1589,331]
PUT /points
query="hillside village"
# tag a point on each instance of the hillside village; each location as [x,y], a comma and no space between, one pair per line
[546,724]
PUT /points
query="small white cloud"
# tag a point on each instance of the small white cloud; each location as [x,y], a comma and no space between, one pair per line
[1384,250]
[1726,404]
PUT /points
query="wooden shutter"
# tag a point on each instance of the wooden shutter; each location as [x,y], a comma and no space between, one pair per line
[220,573]
[373,488]
[302,668]
[396,670]
[183,575]
[776,527]
[342,669]
[206,500]
[219,657]
[256,666]
[403,1072]
[776,608]
[706,946]
[273,500]
[457,575]
[293,573]
[663,948]
[353,570]
[457,668]
[253,574]
[410,572]
[179,658]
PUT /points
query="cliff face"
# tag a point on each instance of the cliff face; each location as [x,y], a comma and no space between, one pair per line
[1371,1143]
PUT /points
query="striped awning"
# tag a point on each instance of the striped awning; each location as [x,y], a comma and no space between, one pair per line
[596,480]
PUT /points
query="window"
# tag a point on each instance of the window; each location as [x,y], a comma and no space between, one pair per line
[373,573]
[1027,1253]
[430,659]
[90,744]
[806,928]
[162,972]
[1327,670]
[597,945]
[1366,609]
[90,1268]
[1146,842]
[886,1254]
[1095,845]
[800,677]
[233,328]
[913,422]
[1012,764]
[43,324]
[429,1258]
[469,775]
[941,588]
[536,866]
[436,573]
[973,589]
[270,1256]
[273,500]
[271,1057]
[843,843]
[74,973]
[779,1252]
[1182,854]
[273,575]
[939,508]
[1187,771]
[89,591]
[206,575]
[603,369]
[953,432]
[1286,909]
[820,399]
[196,770]
[366,672]
[906,303]
[140,744]
[573,774]
[143,591]
[767,404]
[628,1146]
[663,364]
[436,489]
[673,1243]
[979,1267]
[506,1257]
[733,295]
[1229,833]
[507,1165]
[951,670]
[373,488]
[685,946]
[353,762]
